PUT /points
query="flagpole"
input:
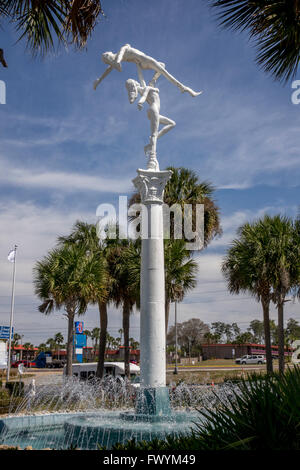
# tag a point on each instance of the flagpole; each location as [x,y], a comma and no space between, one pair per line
[11,314]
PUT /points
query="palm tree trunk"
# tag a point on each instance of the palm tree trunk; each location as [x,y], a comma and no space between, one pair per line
[167,313]
[102,342]
[266,307]
[280,336]
[126,314]
[71,316]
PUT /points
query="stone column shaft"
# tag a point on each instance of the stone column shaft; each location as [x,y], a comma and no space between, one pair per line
[151,185]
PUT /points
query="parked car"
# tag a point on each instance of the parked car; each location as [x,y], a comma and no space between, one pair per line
[251,359]
[24,362]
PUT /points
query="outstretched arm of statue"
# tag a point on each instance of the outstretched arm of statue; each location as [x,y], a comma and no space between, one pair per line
[120,55]
[99,80]
[140,75]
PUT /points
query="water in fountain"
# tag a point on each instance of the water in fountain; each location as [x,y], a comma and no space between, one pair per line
[85,415]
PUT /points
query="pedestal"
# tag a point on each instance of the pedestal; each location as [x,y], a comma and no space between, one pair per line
[153,395]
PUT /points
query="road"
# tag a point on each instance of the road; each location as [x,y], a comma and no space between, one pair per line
[44,376]
[220,367]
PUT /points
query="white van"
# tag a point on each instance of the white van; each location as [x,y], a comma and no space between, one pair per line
[251,359]
[87,371]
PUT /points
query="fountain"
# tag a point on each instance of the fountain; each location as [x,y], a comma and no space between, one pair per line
[88,415]
[152,416]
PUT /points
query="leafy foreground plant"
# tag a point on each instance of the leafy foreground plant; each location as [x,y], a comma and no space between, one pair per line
[261,413]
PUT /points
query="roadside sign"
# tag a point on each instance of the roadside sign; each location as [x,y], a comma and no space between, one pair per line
[79,327]
[4,332]
[80,343]
[3,355]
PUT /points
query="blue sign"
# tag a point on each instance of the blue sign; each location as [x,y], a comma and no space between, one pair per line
[4,332]
[79,327]
[80,343]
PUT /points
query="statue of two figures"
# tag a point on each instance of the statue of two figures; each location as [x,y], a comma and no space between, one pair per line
[148,93]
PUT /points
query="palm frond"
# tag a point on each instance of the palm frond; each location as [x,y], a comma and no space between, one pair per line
[46,23]
[275,27]
[81,20]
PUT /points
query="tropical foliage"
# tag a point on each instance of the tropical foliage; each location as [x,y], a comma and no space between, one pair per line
[124,265]
[264,261]
[184,188]
[180,273]
[274,26]
[69,277]
[262,413]
[48,23]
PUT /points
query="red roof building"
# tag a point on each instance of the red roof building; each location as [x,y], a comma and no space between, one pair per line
[231,351]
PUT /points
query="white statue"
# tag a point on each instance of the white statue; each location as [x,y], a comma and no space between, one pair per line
[151,96]
[149,93]
[129,54]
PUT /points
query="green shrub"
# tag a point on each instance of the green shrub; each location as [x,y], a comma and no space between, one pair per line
[263,413]
[4,394]
[16,389]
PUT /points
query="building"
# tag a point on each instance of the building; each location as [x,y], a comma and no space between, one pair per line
[19,352]
[110,354]
[231,351]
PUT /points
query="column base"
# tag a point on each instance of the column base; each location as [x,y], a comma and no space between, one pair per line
[153,402]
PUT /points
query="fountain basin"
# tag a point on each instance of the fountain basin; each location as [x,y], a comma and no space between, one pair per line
[89,430]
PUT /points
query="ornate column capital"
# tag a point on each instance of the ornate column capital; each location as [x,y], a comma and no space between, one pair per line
[151,184]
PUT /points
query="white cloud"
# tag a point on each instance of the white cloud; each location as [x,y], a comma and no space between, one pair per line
[62,181]
[210,300]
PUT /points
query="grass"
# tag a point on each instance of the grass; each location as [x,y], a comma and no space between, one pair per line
[207,377]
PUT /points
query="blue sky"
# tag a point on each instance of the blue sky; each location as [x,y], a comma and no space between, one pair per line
[65,148]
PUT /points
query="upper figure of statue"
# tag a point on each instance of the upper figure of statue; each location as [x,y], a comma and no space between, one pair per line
[144,62]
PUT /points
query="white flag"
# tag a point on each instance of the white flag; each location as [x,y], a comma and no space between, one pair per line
[11,256]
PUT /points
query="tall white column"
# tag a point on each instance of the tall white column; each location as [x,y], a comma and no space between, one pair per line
[151,186]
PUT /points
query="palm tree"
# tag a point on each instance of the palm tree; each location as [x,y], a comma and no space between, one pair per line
[273,24]
[85,235]
[247,269]
[133,343]
[69,277]
[183,188]
[28,346]
[42,347]
[95,337]
[59,339]
[120,331]
[284,259]
[88,334]
[180,273]
[124,262]
[43,24]
[51,343]
[16,339]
